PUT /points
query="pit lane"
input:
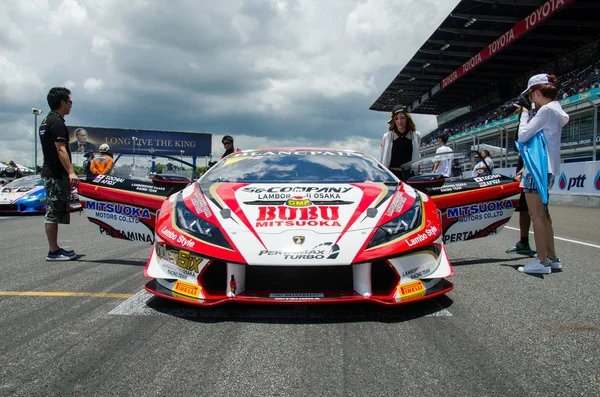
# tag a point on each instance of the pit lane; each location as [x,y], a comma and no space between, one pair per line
[90,329]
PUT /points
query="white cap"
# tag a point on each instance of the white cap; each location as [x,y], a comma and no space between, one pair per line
[535,80]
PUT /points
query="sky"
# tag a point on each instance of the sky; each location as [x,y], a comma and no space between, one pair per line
[271,73]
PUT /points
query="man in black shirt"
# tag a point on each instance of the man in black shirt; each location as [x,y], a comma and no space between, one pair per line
[57,172]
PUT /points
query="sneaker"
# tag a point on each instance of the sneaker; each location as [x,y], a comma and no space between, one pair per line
[536,267]
[521,249]
[68,252]
[555,265]
[59,255]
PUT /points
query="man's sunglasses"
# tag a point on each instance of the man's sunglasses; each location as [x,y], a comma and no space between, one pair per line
[227,142]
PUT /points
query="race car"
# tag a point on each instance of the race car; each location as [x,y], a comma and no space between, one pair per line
[27,195]
[299,225]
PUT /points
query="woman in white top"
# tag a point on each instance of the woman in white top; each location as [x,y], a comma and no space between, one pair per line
[400,144]
[550,119]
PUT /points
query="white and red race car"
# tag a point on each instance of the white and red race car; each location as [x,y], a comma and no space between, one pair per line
[299,226]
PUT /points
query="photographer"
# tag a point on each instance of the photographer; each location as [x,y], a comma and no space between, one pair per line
[539,145]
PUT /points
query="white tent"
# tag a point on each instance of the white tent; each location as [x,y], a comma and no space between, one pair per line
[493,149]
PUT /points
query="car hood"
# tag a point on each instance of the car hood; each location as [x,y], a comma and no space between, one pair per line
[327,223]
[10,195]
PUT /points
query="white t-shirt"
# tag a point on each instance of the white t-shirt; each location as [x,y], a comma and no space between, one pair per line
[444,159]
[490,164]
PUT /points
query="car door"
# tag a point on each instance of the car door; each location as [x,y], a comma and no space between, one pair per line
[473,204]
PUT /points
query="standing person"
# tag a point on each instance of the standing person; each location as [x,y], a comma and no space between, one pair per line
[12,171]
[442,162]
[227,142]
[480,168]
[488,160]
[102,164]
[57,172]
[81,144]
[400,144]
[544,128]
[89,156]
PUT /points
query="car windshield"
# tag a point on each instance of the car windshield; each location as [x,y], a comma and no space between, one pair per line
[299,166]
[25,182]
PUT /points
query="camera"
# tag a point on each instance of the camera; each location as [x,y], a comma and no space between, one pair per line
[521,100]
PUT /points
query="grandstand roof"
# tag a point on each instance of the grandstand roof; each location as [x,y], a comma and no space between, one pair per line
[485,44]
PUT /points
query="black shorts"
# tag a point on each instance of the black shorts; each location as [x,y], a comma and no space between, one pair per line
[522,206]
[58,192]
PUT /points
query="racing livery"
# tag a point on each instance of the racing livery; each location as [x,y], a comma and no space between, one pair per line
[27,195]
[296,225]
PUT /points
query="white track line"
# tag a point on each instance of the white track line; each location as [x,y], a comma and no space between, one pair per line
[560,238]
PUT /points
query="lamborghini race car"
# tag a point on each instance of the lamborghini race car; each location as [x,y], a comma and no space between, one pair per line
[27,195]
[296,226]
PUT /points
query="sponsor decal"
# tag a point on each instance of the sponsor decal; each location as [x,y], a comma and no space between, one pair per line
[108,180]
[183,240]
[182,258]
[187,289]
[468,235]
[298,153]
[141,187]
[123,209]
[126,234]
[322,251]
[396,205]
[488,180]
[297,296]
[297,189]
[453,187]
[574,182]
[432,231]
[472,209]
[318,215]
[200,205]
[412,290]
[298,202]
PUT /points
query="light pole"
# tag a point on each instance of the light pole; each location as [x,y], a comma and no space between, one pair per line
[35,112]
[181,152]
[133,139]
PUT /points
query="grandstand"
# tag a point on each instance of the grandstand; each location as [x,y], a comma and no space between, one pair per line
[476,63]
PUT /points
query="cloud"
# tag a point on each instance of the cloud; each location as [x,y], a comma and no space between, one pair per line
[92,84]
[268,72]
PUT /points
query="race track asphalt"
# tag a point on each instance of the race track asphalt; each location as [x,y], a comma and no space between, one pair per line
[499,332]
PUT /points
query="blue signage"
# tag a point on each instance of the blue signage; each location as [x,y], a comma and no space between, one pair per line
[147,142]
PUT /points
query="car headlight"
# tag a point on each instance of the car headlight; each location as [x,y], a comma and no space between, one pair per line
[198,227]
[399,226]
[35,197]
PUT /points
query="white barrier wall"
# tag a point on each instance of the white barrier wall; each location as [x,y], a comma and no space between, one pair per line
[575,179]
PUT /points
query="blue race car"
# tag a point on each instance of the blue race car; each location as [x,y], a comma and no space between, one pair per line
[27,195]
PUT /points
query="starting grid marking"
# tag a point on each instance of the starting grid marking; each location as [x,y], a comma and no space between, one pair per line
[137,305]
[42,293]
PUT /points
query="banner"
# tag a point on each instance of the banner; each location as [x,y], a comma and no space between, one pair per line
[146,142]
[575,179]
[532,20]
